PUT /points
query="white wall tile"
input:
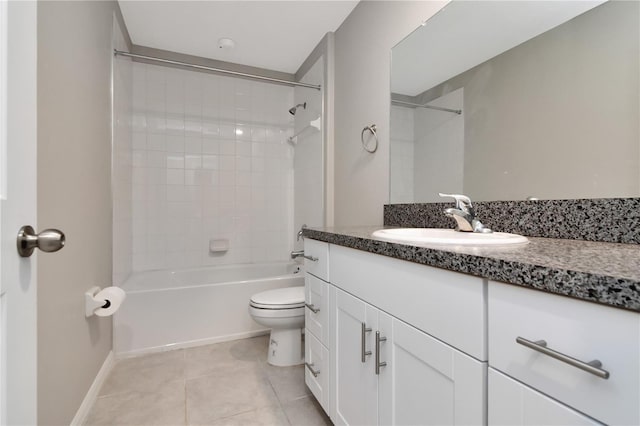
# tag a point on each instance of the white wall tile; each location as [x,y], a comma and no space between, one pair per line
[206,147]
[175,176]
[175,143]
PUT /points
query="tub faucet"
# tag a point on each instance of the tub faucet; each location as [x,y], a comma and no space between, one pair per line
[300,253]
[465,214]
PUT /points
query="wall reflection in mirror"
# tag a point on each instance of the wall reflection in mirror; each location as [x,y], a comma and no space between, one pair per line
[555,117]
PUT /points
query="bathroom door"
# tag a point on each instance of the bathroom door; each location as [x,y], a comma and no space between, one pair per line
[18,184]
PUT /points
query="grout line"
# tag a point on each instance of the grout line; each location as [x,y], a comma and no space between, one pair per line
[286,416]
[186,417]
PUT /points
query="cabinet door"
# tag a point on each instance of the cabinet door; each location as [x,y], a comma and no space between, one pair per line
[512,403]
[427,382]
[355,381]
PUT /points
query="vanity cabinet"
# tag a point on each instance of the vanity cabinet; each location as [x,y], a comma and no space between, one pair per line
[458,349]
[316,318]
[356,386]
[420,378]
[513,404]
[528,330]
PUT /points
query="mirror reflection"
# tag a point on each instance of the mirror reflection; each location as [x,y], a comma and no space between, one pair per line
[557,116]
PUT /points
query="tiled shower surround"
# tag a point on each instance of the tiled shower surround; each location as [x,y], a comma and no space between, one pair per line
[210,161]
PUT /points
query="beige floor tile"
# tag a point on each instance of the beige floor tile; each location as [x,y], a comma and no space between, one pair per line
[165,405]
[226,356]
[288,382]
[144,373]
[269,416]
[306,412]
[227,393]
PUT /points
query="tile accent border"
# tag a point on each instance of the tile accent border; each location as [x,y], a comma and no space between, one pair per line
[614,220]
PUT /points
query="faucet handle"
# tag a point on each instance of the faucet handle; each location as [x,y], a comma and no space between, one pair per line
[462,201]
[299,234]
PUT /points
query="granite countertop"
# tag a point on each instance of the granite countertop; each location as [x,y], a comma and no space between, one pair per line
[605,273]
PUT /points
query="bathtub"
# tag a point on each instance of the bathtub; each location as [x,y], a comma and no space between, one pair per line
[190,307]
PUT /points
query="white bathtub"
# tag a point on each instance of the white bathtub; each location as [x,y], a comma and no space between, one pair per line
[190,307]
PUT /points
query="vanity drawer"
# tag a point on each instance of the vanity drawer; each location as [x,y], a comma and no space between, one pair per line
[316,313]
[320,252]
[513,404]
[578,329]
[316,370]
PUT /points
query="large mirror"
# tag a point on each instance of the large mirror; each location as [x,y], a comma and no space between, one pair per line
[512,100]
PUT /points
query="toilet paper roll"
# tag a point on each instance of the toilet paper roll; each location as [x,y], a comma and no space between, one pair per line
[114,295]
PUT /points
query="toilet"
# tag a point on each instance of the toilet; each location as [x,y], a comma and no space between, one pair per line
[282,310]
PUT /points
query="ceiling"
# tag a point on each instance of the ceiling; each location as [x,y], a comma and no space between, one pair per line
[276,35]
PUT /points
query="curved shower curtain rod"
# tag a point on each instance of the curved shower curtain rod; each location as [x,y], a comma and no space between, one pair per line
[218,70]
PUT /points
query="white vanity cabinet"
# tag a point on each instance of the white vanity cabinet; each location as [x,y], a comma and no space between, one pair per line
[355,399]
[457,349]
[529,330]
[316,344]
[420,379]
[426,381]
[513,404]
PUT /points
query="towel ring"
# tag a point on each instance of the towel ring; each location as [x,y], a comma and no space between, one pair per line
[372,129]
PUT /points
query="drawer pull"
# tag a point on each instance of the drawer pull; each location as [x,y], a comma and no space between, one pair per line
[363,342]
[592,367]
[312,308]
[378,363]
[315,373]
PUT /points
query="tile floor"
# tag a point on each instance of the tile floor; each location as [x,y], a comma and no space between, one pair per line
[226,383]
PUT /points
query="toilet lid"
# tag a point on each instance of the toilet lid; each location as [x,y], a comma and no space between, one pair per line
[280,298]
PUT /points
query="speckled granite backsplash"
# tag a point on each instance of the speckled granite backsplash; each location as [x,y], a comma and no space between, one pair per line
[615,220]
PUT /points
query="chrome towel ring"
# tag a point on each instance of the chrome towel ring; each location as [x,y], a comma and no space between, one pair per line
[365,145]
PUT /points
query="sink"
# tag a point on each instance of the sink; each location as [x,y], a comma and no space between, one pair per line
[448,237]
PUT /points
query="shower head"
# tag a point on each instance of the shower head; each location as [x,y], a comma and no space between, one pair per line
[293,110]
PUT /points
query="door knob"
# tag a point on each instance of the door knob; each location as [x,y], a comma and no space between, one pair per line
[49,240]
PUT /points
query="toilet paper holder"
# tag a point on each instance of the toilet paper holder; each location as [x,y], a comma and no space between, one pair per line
[92,302]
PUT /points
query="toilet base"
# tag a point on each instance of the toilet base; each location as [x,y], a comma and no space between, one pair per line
[285,347]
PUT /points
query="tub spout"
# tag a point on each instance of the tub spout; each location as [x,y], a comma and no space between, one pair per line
[297,253]
[300,253]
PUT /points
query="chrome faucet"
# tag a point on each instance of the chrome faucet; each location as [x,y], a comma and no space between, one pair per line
[465,214]
[297,253]
[300,232]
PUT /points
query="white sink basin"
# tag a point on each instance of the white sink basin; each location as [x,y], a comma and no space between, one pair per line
[448,237]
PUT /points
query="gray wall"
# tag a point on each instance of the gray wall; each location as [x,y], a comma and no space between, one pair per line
[362,84]
[74,194]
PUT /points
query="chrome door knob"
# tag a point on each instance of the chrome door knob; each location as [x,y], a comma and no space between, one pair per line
[49,240]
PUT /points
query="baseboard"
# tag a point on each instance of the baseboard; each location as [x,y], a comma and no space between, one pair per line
[192,343]
[92,393]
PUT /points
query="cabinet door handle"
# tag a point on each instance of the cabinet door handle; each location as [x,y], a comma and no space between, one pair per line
[315,373]
[312,308]
[363,342]
[378,363]
[592,367]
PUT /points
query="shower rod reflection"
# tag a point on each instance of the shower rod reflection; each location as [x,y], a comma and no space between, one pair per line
[217,70]
[410,104]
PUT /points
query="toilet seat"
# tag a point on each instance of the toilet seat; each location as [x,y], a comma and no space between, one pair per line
[276,313]
[279,299]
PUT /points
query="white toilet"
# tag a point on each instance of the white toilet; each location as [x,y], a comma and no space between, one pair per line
[282,310]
